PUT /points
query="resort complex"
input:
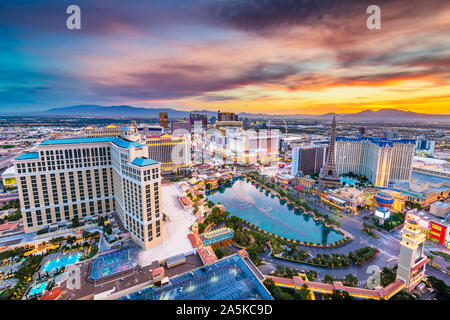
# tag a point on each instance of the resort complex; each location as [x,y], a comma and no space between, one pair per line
[68,179]
[137,212]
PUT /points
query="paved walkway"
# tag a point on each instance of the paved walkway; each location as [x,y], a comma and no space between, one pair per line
[175,230]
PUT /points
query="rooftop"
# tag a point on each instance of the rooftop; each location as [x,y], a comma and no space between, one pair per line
[142,162]
[429,178]
[381,142]
[441,204]
[52,294]
[117,141]
[76,140]
[27,156]
[227,279]
[126,144]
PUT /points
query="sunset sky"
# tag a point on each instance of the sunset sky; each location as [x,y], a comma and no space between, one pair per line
[278,57]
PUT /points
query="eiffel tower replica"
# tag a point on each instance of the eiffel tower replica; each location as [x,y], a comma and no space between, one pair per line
[328,177]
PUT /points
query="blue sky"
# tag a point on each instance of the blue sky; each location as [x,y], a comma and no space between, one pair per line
[276,56]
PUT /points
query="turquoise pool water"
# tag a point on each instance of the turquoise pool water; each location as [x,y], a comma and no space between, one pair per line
[348,181]
[271,214]
[37,289]
[56,264]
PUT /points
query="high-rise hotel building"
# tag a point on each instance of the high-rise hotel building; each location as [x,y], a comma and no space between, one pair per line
[381,160]
[68,178]
[308,159]
[251,147]
[172,151]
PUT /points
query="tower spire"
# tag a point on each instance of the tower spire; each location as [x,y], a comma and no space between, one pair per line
[328,176]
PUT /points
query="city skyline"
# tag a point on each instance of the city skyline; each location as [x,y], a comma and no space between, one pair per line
[279,57]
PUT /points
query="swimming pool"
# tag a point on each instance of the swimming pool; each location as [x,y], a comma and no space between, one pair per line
[37,289]
[111,263]
[348,181]
[272,214]
[227,279]
[59,263]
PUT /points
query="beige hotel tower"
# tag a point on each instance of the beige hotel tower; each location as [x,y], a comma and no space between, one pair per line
[85,177]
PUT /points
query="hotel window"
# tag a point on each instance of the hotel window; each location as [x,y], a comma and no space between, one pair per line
[57,214]
[49,216]
[29,220]
[39,217]
[158,233]
[66,213]
[75,210]
[150,232]
[83,210]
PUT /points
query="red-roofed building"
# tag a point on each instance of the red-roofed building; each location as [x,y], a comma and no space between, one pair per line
[186,202]
[243,253]
[9,226]
[53,294]
[207,255]
[195,240]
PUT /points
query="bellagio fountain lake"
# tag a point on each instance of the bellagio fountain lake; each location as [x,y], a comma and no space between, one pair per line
[272,214]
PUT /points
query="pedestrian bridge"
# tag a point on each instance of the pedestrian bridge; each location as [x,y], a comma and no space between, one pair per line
[379,293]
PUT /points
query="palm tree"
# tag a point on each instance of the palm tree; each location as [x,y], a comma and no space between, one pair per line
[431,257]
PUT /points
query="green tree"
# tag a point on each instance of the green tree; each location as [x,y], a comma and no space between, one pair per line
[350,280]
[328,279]
[387,276]
[219,253]
[340,295]
[75,222]
[439,285]
[311,275]
[303,293]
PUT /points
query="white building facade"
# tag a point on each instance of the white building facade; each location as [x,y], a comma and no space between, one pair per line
[252,147]
[382,161]
[68,178]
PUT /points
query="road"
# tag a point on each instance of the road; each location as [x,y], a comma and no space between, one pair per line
[6,160]
[388,244]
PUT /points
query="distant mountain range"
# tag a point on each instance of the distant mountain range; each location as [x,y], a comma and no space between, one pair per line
[129,112]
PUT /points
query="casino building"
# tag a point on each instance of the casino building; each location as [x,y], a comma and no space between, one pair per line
[382,161]
[68,178]
[108,131]
[252,147]
[172,151]
[308,159]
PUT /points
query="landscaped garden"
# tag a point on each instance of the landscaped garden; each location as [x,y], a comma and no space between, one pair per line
[396,219]
[368,229]
[285,207]
[32,256]
[334,260]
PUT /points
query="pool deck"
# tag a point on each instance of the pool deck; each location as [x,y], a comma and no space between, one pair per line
[143,277]
[200,281]
[175,229]
[57,255]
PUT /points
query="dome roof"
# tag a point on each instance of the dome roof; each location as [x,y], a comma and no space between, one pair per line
[384,198]
[111,126]
[126,129]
